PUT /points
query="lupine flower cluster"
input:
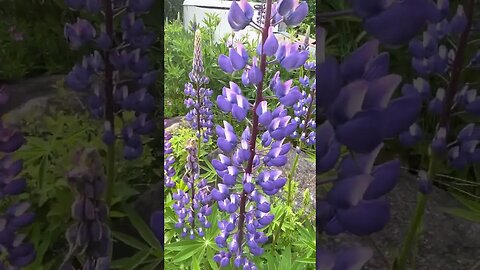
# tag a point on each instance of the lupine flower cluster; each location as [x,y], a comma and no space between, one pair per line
[431,55]
[16,250]
[304,109]
[169,159]
[89,235]
[194,206]
[250,174]
[200,116]
[356,98]
[117,75]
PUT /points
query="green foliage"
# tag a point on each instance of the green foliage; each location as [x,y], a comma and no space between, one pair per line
[178,61]
[43,48]
[471,210]
[149,253]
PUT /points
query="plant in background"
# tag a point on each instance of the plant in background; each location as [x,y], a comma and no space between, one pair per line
[116,76]
[193,198]
[89,236]
[17,251]
[248,201]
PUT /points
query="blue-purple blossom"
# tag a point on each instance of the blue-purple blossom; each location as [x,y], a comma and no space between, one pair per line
[200,115]
[240,15]
[17,251]
[192,209]
[128,69]
[251,174]
[89,235]
[169,159]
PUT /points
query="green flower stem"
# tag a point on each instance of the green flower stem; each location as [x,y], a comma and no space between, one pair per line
[416,223]
[454,83]
[291,175]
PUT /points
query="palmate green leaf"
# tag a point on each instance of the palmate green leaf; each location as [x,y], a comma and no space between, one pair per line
[287,256]
[153,265]
[131,241]
[188,252]
[210,260]
[196,263]
[307,260]
[464,213]
[132,262]
[142,228]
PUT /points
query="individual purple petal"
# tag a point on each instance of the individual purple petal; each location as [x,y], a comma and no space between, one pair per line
[329,77]
[380,91]
[459,21]
[298,15]
[385,178]
[240,15]
[327,162]
[225,64]
[365,218]
[349,192]
[368,127]
[377,67]
[236,59]
[353,67]
[401,113]
[271,43]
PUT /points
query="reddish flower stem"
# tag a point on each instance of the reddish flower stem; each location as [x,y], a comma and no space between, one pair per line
[255,131]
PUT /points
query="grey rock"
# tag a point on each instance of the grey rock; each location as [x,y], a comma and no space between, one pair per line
[24,91]
[174,123]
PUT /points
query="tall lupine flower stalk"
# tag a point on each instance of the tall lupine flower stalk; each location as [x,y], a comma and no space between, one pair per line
[117,74]
[89,235]
[193,204]
[435,58]
[200,115]
[247,202]
[17,252]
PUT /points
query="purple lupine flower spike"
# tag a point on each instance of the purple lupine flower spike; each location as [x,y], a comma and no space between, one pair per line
[168,169]
[193,208]
[89,231]
[200,115]
[18,250]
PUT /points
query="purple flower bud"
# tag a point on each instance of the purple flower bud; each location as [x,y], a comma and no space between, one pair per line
[79,33]
[459,21]
[424,184]
[271,44]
